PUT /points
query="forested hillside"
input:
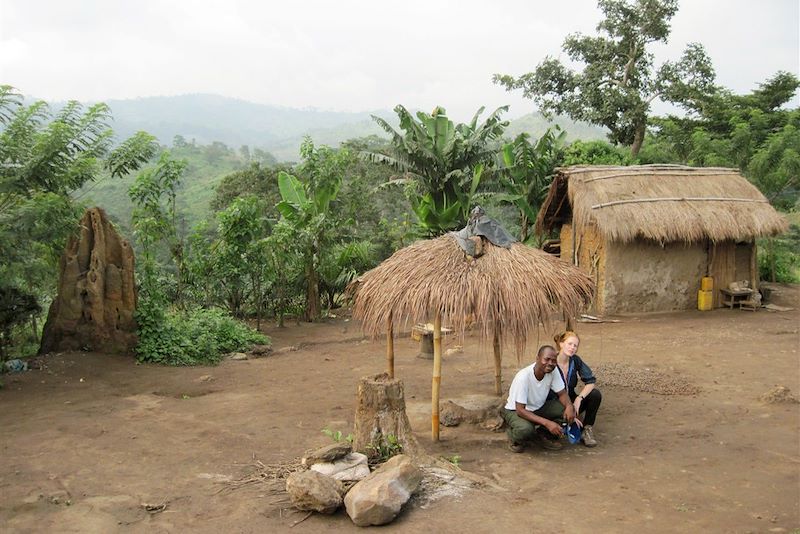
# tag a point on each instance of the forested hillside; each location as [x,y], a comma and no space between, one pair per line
[205,119]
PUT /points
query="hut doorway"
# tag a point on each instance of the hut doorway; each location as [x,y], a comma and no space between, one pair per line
[731,261]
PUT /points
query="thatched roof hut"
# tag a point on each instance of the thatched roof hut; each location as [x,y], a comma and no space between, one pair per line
[508,292]
[648,233]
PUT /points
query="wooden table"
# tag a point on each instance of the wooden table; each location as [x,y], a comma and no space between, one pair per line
[731,297]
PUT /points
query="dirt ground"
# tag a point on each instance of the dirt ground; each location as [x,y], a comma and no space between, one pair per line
[91,439]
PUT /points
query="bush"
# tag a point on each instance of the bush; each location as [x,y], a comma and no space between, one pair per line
[594,153]
[784,254]
[197,337]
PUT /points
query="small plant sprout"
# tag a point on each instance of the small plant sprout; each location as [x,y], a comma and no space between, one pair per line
[337,436]
[455,459]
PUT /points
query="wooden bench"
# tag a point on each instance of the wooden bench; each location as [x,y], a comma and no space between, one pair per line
[732,297]
[753,303]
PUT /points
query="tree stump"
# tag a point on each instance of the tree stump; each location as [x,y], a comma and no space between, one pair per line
[381,413]
[426,346]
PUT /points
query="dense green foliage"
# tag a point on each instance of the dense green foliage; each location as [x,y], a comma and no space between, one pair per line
[779,258]
[440,162]
[527,172]
[619,81]
[594,153]
[44,158]
[196,337]
[205,167]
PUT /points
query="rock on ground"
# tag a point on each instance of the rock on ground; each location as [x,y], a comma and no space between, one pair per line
[455,413]
[377,499]
[328,453]
[354,466]
[313,491]
[260,351]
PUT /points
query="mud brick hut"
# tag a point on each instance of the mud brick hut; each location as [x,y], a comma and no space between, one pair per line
[647,234]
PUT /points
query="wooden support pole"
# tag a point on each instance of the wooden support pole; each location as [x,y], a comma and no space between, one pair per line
[498,360]
[569,323]
[437,375]
[754,267]
[390,346]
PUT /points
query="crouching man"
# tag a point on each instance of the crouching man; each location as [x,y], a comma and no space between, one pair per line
[528,414]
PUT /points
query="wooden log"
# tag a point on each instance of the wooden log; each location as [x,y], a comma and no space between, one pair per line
[390,346]
[380,413]
[498,360]
[437,375]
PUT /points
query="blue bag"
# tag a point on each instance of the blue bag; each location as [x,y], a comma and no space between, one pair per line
[573,433]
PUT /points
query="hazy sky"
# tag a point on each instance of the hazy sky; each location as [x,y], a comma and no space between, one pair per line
[349,55]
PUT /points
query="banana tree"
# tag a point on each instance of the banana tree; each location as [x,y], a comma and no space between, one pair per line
[527,172]
[343,263]
[440,162]
[306,207]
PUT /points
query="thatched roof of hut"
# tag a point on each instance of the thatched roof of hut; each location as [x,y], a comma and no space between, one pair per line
[664,203]
[509,289]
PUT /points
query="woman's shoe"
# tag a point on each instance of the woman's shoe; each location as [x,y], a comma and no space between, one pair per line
[588,436]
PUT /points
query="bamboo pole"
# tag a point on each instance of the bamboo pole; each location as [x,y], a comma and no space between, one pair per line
[498,359]
[678,199]
[639,174]
[390,346]
[437,375]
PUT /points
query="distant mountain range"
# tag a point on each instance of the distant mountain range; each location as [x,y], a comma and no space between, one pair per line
[206,118]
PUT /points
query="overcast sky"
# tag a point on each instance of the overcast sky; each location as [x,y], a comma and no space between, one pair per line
[349,55]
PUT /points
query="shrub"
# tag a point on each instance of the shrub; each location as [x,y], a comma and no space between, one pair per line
[197,337]
[782,254]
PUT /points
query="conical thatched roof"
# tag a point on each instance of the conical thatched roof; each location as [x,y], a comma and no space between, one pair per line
[660,202]
[515,288]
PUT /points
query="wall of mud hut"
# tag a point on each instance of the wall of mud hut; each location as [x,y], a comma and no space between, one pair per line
[647,276]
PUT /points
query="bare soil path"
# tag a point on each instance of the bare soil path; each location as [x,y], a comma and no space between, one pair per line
[91,438]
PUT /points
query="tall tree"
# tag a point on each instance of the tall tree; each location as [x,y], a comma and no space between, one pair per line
[306,206]
[241,263]
[731,130]
[155,217]
[256,179]
[619,81]
[442,161]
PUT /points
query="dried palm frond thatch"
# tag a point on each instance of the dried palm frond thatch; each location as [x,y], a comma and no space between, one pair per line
[508,292]
[664,203]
